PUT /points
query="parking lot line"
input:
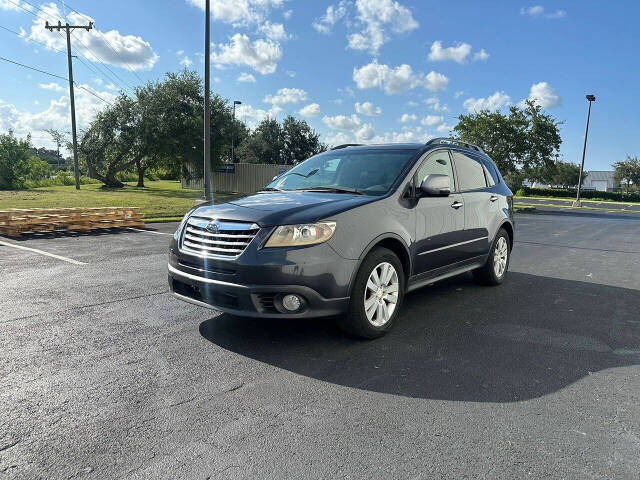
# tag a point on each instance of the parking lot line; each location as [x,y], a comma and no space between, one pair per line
[47,254]
[149,231]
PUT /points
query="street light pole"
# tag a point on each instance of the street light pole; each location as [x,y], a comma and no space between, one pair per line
[233,131]
[590,98]
[208,196]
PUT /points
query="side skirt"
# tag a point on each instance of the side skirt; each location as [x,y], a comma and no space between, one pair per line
[435,275]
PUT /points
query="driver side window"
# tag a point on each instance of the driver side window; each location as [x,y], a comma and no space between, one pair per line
[438,163]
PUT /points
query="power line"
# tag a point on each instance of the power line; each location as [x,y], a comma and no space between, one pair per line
[33,68]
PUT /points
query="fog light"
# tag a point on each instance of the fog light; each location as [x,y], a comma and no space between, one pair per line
[291,302]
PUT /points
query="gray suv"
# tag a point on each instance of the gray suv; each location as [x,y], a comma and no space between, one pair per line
[347,233]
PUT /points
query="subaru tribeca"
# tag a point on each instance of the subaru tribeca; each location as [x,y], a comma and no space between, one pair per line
[347,233]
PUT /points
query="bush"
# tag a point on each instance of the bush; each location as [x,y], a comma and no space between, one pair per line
[587,194]
[62,177]
[14,158]
[37,169]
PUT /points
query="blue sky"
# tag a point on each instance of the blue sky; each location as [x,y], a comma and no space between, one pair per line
[356,70]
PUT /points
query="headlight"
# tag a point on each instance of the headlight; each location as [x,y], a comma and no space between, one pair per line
[299,235]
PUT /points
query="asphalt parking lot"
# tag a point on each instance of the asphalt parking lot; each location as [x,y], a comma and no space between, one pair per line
[105,375]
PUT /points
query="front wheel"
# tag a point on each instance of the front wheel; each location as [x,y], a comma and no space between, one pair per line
[377,295]
[495,269]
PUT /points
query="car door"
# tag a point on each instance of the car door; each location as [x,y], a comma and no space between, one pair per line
[439,220]
[476,196]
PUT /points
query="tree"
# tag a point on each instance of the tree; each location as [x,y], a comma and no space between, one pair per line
[14,158]
[627,171]
[37,169]
[59,139]
[566,174]
[299,140]
[526,138]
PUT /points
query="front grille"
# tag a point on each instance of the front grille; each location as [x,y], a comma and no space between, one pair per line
[217,238]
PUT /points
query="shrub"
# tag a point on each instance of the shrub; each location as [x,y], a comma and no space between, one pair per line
[587,194]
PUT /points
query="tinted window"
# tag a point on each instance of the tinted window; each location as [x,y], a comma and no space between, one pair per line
[439,163]
[492,175]
[470,172]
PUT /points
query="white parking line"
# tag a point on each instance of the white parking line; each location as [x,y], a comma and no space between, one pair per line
[149,231]
[46,254]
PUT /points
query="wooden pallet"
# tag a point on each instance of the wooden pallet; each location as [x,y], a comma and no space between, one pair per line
[18,221]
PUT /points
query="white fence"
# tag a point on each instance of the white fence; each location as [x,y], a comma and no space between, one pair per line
[239,177]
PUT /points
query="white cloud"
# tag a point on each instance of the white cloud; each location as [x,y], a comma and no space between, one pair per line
[342,122]
[407,135]
[15,6]
[55,116]
[368,108]
[246,78]
[365,133]
[254,115]
[481,55]
[287,14]
[458,94]
[239,12]
[290,74]
[51,86]
[261,55]
[432,120]
[538,11]
[311,110]
[408,118]
[493,102]
[186,61]
[411,103]
[338,138]
[445,129]
[458,53]
[274,31]
[396,80]
[286,95]
[376,18]
[127,51]
[333,14]
[435,105]
[180,53]
[545,96]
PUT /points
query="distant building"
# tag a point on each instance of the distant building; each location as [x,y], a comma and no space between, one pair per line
[601,181]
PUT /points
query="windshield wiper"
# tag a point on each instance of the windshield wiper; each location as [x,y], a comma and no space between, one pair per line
[331,189]
[271,189]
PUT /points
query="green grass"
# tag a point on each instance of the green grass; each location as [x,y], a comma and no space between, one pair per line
[163,200]
[583,200]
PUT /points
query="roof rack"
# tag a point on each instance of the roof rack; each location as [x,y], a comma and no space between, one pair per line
[345,145]
[444,140]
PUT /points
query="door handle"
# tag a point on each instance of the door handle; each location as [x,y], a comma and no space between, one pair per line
[493,198]
[456,205]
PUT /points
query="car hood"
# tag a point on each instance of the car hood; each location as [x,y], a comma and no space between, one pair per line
[283,208]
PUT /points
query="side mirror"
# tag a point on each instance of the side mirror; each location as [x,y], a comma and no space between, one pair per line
[275,178]
[436,185]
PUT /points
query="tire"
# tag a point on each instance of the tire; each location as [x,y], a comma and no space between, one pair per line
[495,269]
[382,312]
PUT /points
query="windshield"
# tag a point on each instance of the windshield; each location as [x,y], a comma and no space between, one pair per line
[370,172]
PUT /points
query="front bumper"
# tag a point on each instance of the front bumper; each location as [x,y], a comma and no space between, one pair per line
[254,284]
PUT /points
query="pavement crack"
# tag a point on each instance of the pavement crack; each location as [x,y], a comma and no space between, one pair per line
[8,445]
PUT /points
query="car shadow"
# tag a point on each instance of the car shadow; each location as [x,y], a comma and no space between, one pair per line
[455,340]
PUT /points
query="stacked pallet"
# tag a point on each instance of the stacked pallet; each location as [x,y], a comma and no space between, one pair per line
[16,221]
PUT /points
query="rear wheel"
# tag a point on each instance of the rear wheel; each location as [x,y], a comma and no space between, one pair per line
[495,270]
[377,295]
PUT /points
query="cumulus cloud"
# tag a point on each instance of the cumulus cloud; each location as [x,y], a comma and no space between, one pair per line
[342,122]
[186,61]
[261,55]
[274,31]
[545,96]
[376,18]
[255,115]
[239,12]
[333,14]
[435,105]
[368,108]
[311,110]
[432,120]
[55,116]
[493,102]
[286,95]
[365,133]
[15,6]
[127,51]
[396,80]
[408,118]
[51,86]
[459,53]
[538,11]
[246,78]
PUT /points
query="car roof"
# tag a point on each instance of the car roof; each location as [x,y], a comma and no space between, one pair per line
[416,147]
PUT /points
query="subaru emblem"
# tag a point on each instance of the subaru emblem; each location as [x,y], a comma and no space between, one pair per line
[213,227]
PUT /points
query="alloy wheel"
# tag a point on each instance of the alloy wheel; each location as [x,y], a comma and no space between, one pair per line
[500,257]
[381,294]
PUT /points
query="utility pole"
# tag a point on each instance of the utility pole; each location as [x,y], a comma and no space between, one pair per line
[590,98]
[233,131]
[208,196]
[68,29]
